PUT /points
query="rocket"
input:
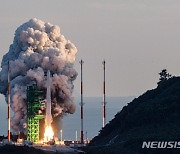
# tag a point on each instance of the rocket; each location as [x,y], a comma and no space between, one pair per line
[48,118]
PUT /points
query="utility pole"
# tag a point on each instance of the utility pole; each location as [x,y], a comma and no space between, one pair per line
[81,104]
[104,94]
[9,114]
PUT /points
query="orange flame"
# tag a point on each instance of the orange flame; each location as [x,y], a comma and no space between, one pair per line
[49,134]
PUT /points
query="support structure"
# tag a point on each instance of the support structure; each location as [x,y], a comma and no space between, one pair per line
[81,104]
[34,102]
[9,113]
[61,134]
[104,94]
[76,136]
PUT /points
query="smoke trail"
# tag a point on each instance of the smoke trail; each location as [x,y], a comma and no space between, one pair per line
[38,47]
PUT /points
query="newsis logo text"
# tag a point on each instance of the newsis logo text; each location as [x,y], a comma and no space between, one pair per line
[160,144]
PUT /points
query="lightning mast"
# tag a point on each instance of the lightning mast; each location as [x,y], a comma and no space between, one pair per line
[9,121]
[104,94]
[81,104]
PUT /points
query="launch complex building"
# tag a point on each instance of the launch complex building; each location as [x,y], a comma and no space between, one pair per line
[36,100]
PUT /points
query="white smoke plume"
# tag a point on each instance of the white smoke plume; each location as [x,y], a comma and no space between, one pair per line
[38,47]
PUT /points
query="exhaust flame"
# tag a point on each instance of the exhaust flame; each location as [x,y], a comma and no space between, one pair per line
[49,134]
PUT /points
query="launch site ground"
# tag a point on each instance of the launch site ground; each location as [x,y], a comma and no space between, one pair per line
[60,149]
[38,148]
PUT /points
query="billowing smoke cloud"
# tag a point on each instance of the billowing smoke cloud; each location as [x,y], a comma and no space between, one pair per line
[38,47]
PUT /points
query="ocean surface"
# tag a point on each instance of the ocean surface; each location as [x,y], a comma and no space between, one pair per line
[71,122]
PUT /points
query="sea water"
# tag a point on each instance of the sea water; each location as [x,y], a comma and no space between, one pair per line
[92,116]
[72,122]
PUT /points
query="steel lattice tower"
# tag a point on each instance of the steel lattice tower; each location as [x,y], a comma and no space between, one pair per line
[104,94]
[81,103]
[34,102]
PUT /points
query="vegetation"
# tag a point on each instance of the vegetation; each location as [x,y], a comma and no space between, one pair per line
[164,76]
[155,115]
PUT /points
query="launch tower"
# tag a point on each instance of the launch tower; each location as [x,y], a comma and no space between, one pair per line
[34,102]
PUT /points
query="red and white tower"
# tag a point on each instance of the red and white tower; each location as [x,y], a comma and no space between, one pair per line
[81,103]
[104,94]
[9,114]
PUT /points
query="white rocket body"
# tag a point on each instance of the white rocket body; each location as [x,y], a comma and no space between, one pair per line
[48,119]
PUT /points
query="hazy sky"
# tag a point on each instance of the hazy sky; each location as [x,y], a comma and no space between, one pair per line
[137,38]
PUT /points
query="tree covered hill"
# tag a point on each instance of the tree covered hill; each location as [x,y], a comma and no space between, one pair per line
[153,116]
